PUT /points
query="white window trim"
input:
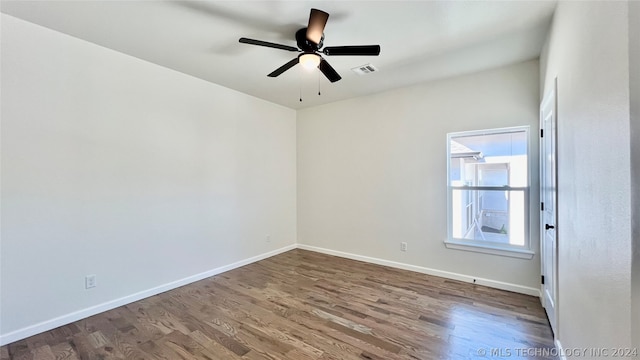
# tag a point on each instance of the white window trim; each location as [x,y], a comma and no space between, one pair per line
[492,249]
[523,252]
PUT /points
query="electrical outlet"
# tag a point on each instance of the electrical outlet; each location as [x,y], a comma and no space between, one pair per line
[90,281]
[403,246]
[268,238]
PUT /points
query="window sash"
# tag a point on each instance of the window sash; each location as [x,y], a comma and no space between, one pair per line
[465,208]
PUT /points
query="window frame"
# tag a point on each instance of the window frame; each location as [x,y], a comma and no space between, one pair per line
[480,246]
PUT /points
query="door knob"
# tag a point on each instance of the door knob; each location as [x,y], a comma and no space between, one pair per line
[547,227]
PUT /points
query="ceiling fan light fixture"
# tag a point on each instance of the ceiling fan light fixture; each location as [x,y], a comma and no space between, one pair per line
[309,61]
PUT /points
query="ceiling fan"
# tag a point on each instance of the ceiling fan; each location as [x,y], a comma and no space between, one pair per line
[310,41]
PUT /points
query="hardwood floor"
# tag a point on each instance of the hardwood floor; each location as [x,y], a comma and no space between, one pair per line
[304,305]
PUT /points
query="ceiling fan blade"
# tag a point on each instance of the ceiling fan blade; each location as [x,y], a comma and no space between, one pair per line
[315,29]
[370,50]
[267,44]
[329,71]
[283,68]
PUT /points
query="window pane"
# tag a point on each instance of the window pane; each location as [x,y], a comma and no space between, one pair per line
[495,159]
[495,216]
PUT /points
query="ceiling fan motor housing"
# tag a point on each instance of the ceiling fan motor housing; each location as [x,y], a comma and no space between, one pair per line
[305,44]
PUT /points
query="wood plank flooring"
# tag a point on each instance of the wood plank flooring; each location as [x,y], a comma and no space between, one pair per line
[303,305]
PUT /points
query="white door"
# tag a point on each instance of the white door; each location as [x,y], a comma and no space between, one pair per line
[548,196]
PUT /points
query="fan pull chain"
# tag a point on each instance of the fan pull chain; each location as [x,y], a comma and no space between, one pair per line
[300,84]
[318,72]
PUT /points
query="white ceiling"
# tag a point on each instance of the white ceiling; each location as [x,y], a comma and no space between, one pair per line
[420,40]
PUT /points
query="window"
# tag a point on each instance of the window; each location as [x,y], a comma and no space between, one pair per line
[488,191]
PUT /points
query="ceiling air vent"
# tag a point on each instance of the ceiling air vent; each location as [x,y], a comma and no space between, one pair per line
[364,69]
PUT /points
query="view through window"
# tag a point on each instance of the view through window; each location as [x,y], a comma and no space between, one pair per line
[489,187]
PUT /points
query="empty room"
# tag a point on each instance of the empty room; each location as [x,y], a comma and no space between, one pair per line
[319,179]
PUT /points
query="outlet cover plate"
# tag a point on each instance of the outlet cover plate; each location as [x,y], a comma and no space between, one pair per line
[90,281]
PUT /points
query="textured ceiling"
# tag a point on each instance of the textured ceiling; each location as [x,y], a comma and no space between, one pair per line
[420,40]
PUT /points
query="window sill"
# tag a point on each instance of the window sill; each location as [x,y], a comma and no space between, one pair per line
[489,249]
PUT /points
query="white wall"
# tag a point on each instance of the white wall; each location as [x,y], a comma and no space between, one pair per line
[136,173]
[372,170]
[634,86]
[588,52]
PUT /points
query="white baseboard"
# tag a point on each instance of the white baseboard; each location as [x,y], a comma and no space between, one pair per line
[93,310]
[560,349]
[445,274]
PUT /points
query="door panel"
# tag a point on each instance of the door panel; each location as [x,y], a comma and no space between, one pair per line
[548,196]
